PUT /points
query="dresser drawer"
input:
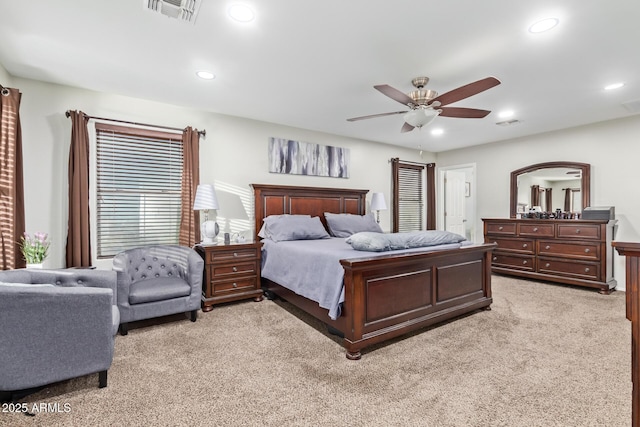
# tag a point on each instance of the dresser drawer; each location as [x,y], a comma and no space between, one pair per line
[537,230]
[523,262]
[582,270]
[506,228]
[525,246]
[587,251]
[233,269]
[231,255]
[585,231]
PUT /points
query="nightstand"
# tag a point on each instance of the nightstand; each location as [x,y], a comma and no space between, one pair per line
[231,272]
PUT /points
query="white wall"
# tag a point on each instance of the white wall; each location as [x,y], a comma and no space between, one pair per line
[5,78]
[610,147]
[232,156]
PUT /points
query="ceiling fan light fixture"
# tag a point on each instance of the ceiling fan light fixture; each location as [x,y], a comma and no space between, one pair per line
[543,25]
[420,117]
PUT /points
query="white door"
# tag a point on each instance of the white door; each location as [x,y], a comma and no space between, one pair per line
[454,202]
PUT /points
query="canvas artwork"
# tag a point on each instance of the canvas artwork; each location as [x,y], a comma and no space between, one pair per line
[303,158]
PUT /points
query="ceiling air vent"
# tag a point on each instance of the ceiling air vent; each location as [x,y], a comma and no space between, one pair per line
[183,10]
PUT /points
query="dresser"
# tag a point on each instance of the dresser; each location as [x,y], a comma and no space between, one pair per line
[574,252]
[231,272]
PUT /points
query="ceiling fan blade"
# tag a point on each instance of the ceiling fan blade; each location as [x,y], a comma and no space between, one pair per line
[466,91]
[395,94]
[406,127]
[463,113]
[353,119]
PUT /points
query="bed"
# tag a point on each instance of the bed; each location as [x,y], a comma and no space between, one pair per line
[386,295]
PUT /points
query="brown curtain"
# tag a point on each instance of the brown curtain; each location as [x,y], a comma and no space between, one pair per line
[567,200]
[78,234]
[548,199]
[535,195]
[189,219]
[12,223]
[431,196]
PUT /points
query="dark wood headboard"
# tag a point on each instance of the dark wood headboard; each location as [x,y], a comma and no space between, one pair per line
[314,201]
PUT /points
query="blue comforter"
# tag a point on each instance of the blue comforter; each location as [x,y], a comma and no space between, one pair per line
[312,268]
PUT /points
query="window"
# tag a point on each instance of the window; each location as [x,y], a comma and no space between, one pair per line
[138,187]
[413,196]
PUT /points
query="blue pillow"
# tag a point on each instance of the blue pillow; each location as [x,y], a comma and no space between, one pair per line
[294,227]
[344,225]
[377,242]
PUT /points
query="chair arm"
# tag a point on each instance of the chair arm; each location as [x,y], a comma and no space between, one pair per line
[51,333]
[195,267]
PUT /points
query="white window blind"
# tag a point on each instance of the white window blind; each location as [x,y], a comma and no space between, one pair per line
[138,188]
[410,199]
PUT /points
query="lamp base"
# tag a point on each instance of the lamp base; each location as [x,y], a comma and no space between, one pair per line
[208,231]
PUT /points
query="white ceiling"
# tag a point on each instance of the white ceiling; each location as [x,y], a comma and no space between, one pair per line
[312,64]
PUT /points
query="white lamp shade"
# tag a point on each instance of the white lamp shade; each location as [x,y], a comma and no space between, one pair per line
[205,198]
[420,117]
[377,202]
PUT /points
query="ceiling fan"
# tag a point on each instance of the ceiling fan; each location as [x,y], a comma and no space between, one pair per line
[425,105]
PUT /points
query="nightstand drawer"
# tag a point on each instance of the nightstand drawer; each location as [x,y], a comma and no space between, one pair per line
[232,255]
[235,269]
[228,286]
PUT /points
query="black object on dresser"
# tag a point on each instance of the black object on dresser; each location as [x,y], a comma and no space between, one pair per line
[231,272]
[574,252]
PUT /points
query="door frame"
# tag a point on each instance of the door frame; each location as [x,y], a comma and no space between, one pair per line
[470,171]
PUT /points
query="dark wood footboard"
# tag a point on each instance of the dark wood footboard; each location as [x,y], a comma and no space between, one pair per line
[390,296]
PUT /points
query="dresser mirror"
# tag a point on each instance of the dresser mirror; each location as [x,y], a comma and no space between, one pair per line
[551,186]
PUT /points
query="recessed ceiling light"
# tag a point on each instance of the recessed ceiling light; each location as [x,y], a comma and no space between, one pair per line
[207,75]
[437,131]
[504,114]
[614,86]
[543,25]
[241,12]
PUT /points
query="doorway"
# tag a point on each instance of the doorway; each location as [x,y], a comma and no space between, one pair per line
[456,200]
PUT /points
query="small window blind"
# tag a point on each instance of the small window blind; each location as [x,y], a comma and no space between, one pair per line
[410,199]
[413,196]
[138,184]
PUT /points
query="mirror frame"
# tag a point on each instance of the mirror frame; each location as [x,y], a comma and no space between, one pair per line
[585,184]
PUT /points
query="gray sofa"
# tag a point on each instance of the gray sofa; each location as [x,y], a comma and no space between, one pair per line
[155,281]
[56,325]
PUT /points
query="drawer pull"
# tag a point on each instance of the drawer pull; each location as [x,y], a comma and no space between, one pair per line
[235,285]
[495,258]
[547,247]
[235,254]
[586,251]
[524,245]
[535,229]
[235,268]
[500,228]
[547,265]
[586,270]
[524,262]
[577,231]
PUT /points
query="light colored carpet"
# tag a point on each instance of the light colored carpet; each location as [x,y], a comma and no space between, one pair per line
[546,355]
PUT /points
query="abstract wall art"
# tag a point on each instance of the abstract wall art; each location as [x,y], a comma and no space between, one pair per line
[303,158]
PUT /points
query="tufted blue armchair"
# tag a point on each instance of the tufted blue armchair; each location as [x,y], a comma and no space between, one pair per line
[156,281]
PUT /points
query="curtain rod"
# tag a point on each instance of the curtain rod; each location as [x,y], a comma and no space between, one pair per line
[410,162]
[200,132]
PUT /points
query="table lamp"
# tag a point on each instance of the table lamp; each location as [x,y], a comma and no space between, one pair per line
[206,199]
[378,204]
